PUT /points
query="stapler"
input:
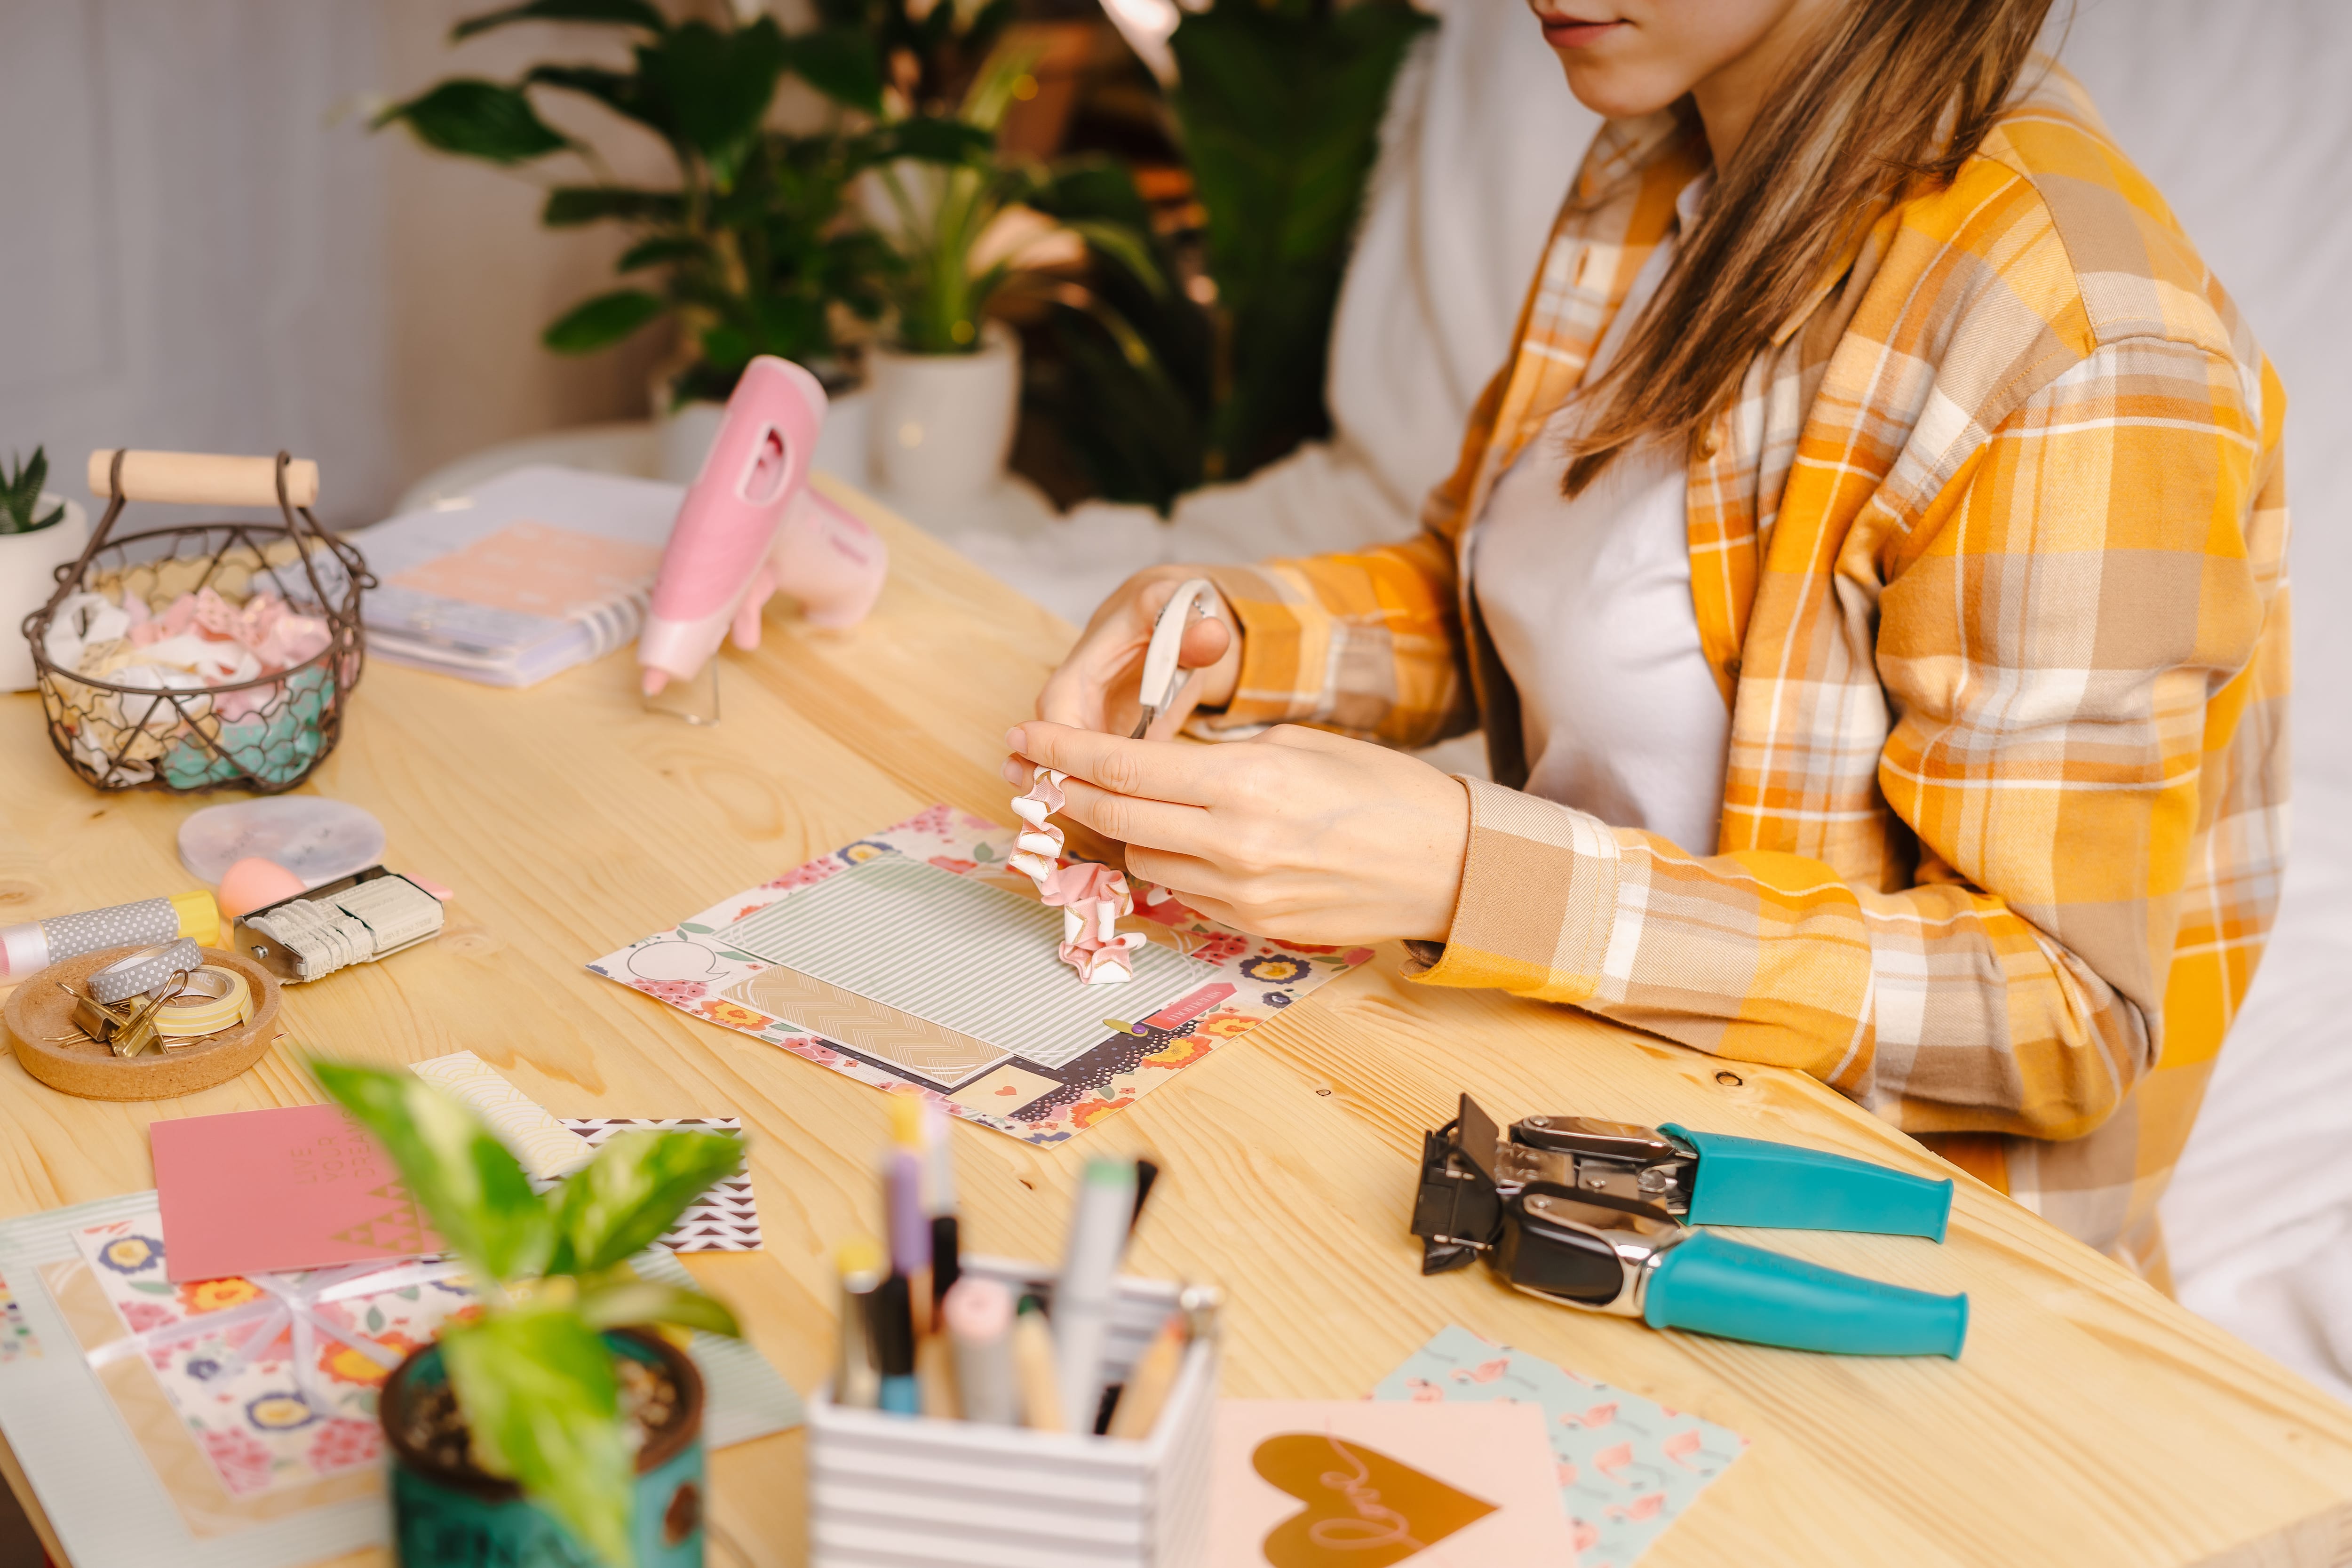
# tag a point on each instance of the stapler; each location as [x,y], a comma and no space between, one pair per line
[1598,1214]
[751,526]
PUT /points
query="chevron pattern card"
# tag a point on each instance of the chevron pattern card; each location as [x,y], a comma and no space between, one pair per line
[723,1219]
[261,1192]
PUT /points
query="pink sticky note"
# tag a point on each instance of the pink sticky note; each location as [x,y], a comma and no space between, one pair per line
[266,1191]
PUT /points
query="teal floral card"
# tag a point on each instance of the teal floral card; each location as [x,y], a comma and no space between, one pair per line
[1628,1466]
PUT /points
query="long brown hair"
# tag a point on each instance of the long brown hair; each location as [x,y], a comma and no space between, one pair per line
[1890,90]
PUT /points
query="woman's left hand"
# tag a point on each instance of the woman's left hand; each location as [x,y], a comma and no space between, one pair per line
[1295,834]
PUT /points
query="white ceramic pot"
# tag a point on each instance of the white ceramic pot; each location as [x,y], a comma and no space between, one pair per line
[942,424]
[28,566]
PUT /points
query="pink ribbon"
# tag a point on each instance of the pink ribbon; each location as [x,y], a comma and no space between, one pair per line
[1091,896]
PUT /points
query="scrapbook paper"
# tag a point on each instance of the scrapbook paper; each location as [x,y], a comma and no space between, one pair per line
[532,568]
[267,1191]
[1097,1050]
[1628,1467]
[990,967]
[275,1375]
[547,1149]
[16,1336]
[137,1456]
[1352,1484]
[723,1219]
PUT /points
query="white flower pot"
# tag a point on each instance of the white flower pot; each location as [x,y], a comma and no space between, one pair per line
[942,424]
[28,563]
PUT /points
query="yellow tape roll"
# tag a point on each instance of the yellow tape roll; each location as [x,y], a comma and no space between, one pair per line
[214,999]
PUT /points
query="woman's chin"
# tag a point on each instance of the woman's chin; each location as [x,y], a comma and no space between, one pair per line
[1614,90]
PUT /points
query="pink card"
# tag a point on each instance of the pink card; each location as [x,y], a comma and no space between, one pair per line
[260,1191]
[1297,1483]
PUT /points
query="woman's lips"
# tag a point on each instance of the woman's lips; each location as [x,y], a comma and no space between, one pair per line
[1569,33]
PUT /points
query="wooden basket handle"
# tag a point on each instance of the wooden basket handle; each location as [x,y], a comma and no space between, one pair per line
[203,478]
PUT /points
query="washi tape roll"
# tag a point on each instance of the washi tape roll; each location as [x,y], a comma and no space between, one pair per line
[138,974]
[213,999]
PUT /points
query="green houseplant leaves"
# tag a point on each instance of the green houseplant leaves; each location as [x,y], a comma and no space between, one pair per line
[534,1376]
[20,495]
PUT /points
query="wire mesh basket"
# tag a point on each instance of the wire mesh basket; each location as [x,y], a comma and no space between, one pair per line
[273,611]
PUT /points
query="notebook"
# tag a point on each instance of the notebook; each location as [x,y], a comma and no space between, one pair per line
[531,573]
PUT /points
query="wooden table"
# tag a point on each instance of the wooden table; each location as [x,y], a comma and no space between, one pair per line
[2091,1420]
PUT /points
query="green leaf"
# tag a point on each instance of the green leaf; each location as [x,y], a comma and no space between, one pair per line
[624,13]
[643,1302]
[374,1319]
[639,1183]
[468,1185]
[601,321]
[153,1286]
[477,118]
[624,93]
[719,85]
[570,206]
[934,139]
[842,64]
[1124,245]
[661,250]
[538,1393]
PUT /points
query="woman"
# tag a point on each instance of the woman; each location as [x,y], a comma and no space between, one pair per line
[1868,573]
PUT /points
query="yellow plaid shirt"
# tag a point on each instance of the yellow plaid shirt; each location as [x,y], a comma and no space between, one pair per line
[1988,557]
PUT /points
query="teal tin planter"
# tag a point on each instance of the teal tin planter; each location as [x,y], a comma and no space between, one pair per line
[445,1518]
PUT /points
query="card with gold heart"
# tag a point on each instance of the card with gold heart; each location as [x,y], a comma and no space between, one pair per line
[1354,1484]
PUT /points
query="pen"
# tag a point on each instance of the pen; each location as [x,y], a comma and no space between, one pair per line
[1146,1173]
[1149,1385]
[1082,1297]
[940,1203]
[894,1348]
[1032,1365]
[36,944]
[857,1381]
[978,1317]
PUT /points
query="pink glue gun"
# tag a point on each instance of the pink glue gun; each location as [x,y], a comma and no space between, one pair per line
[753,526]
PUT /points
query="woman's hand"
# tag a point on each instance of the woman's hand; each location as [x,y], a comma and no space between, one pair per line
[1296,834]
[1096,687]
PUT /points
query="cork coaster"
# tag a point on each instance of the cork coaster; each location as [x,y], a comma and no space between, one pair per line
[41,1029]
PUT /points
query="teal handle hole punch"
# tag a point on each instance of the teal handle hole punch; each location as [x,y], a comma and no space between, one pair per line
[1599,1215]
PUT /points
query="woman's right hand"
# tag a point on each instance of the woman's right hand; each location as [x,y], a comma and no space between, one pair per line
[1096,688]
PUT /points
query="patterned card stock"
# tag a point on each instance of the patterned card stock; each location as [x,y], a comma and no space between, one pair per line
[545,1147]
[914,985]
[16,1335]
[723,1219]
[1628,1467]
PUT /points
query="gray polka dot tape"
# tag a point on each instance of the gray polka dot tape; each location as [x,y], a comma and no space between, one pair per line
[137,974]
[148,921]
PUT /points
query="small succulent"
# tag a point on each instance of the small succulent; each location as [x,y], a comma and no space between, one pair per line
[20,493]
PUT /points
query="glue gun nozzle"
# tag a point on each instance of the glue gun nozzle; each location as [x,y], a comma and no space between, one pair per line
[655,680]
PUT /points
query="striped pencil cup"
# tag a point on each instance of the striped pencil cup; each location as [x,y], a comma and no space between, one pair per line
[888,1491]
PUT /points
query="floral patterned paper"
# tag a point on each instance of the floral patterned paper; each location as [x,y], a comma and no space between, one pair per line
[16,1335]
[687,968]
[1628,1466]
[263,1422]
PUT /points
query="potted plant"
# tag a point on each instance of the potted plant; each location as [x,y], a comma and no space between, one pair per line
[756,248]
[964,224]
[39,533]
[560,1427]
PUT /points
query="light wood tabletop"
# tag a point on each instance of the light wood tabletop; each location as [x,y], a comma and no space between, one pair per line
[2089,1421]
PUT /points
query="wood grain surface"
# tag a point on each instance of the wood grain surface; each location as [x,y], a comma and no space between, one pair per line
[2090,1420]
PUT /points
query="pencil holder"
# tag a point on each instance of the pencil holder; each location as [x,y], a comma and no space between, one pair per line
[894,1492]
[202,655]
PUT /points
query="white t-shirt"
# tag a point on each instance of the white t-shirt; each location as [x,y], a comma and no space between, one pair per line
[1589,602]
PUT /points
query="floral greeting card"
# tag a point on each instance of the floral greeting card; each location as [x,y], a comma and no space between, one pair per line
[1627,1466]
[927,965]
[275,1376]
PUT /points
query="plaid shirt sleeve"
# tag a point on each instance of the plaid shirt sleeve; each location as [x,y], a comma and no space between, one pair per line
[2068,638]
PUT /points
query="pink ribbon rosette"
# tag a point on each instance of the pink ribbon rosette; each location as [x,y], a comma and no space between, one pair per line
[1091,896]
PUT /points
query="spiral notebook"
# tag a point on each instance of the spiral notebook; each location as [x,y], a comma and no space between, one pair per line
[527,575]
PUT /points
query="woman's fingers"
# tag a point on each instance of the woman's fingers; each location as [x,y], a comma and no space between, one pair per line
[1153,824]
[1150,770]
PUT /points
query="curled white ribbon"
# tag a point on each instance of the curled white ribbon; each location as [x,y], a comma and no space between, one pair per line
[1091,896]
